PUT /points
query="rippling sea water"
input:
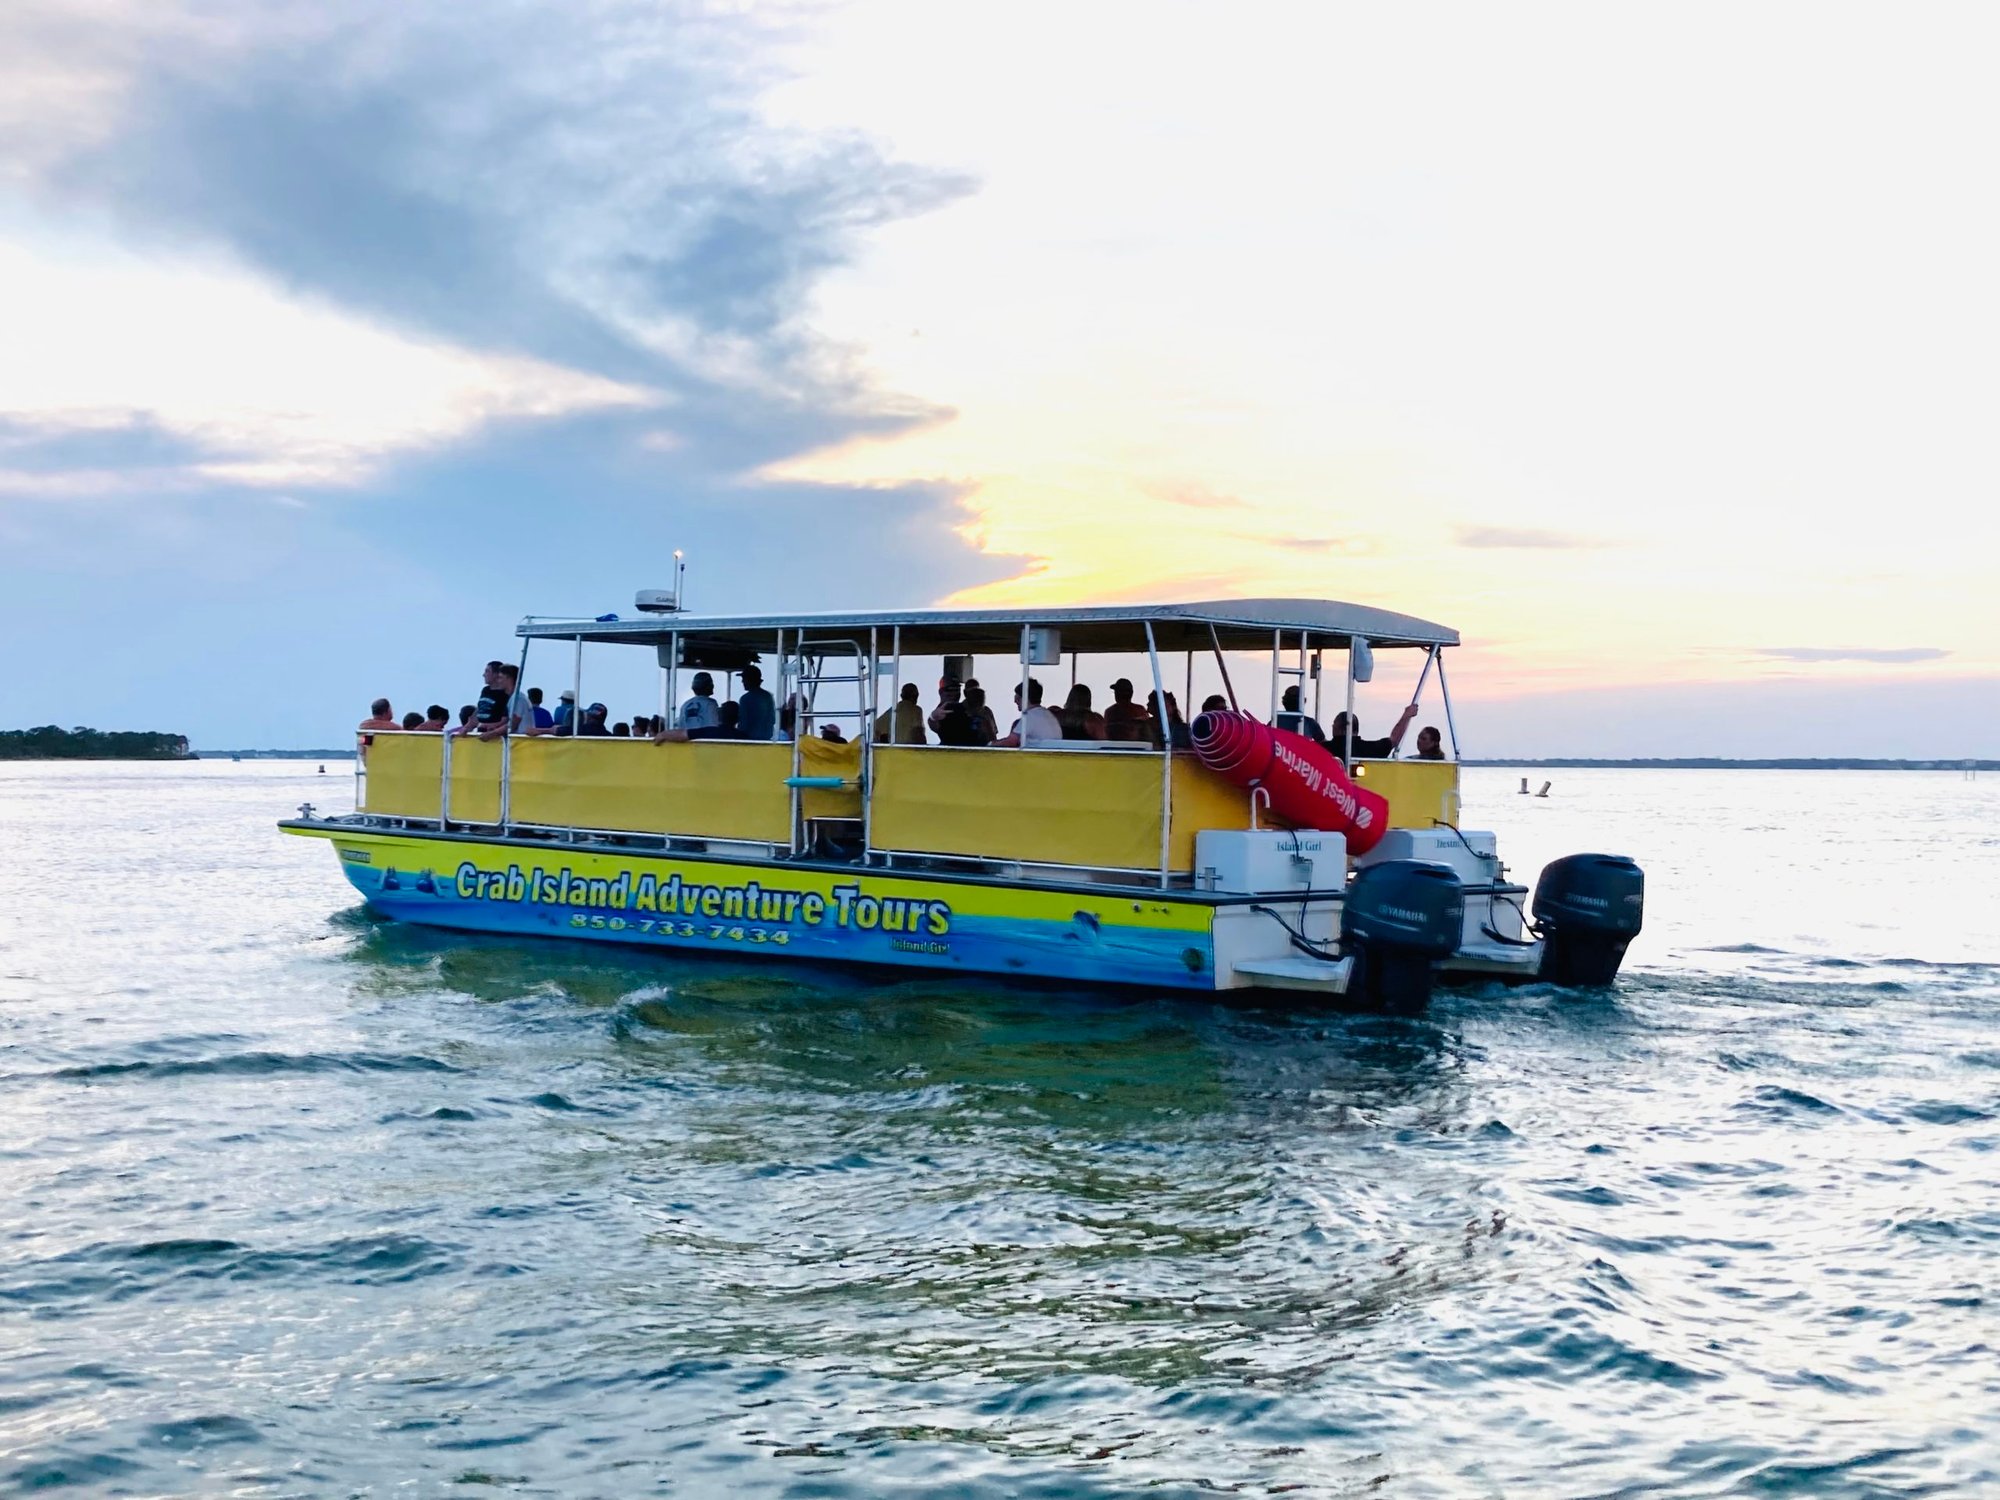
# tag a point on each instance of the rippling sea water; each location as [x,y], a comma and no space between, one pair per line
[303,1203]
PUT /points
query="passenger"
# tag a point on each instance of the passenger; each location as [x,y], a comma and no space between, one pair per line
[1215,703]
[565,715]
[1124,719]
[757,711]
[1078,719]
[593,721]
[1297,721]
[1037,726]
[1362,749]
[831,733]
[466,716]
[413,720]
[492,704]
[539,718]
[621,730]
[788,717]
[983,721]
[1177,728]
[701,711]
[519,711]
[438,719]
[951,695]
[380,716]
[954,720]
[902,723]
[731,728]
[1430,744]
[503,707]
[984,725]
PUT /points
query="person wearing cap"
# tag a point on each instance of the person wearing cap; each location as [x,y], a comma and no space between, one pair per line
[1292,717]
[1124,719]
[757,711]
[565,712]
[701,711]
[593,721]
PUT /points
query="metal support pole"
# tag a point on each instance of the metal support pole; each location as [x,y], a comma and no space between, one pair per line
[1022,732]
[673,680]
[1347,748]
[1430,660]
[576,692]
[895,672]
[507,738]
[1166,756]
[785,677]
[1450,724]
[1277,656]
[870,689]
[1223,667]
[444,775]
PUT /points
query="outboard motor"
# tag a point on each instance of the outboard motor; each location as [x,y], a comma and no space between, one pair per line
[1399,918]
[1588,907]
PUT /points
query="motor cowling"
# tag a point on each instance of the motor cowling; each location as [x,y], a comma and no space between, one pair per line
[1588,908]
[1398,919]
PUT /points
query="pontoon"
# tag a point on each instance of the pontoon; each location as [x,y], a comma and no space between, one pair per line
[1129,863]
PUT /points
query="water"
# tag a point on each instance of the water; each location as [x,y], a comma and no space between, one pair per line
[304,1204]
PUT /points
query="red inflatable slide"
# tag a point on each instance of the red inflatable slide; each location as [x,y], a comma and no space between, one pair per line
[1306,783]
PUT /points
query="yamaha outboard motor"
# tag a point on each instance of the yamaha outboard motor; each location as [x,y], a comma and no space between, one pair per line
[1399,918]
[1588,907]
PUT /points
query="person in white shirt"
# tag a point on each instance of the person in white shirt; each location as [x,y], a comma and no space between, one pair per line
[701,711]
[1035,727]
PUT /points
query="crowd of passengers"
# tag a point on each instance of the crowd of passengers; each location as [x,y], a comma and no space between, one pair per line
[961,718]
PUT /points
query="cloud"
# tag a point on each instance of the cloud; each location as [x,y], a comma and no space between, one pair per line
[531,212]
[1854,653]
[588,184]
[158,376]
[1199,497]
[1348,546]
[1524,537]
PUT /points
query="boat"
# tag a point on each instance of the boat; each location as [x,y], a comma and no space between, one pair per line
[1229,852]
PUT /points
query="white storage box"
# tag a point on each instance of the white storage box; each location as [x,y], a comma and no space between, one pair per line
[1261,860]
[1474,866]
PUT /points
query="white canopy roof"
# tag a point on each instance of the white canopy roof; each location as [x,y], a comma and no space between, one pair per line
[1237,624]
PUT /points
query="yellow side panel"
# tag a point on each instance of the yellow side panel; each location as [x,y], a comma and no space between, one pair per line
[403,775]
[1420,792]
[818,757]
[704,788]
[1202,799]
[1059,807]
[475,780]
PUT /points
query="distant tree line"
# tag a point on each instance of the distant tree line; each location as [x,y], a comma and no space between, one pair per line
[82,743]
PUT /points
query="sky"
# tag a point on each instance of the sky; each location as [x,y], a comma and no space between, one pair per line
[1651,347]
